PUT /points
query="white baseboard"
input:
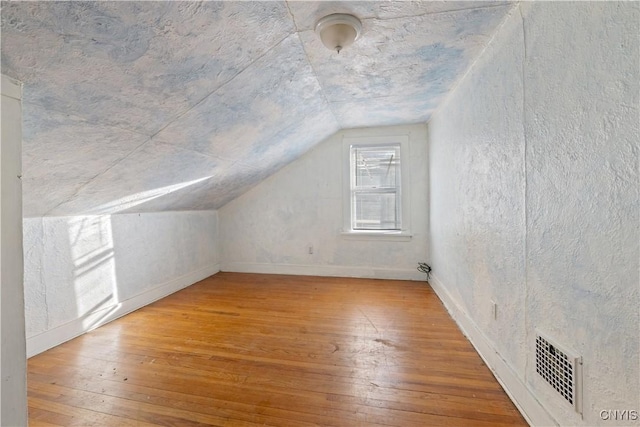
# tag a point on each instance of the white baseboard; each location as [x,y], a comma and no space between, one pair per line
[56,336]
[325,270]
[524,399]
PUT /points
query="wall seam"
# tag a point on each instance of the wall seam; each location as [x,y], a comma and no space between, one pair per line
[525,191]
[457,83]
[324,93]
[293,18]
[315,73]
[89,181]
[217,89]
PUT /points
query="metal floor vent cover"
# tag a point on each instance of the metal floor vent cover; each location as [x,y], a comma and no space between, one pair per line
[561,370]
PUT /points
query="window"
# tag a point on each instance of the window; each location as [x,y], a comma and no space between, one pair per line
[375,182]
[375,187]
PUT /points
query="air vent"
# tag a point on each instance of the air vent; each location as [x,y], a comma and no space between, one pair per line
[560,370]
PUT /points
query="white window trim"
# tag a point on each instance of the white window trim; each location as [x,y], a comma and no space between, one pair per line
[405,187]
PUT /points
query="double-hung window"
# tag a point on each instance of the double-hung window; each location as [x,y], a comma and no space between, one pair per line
[376,186]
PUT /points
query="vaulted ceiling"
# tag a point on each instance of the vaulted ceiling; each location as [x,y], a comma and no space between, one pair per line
[147,106]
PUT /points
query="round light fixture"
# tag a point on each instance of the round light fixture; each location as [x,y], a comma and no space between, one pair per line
[338,31]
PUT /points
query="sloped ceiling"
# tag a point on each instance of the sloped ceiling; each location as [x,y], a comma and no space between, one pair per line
[147,106]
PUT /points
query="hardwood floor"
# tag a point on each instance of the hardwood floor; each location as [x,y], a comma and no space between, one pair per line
[243,349]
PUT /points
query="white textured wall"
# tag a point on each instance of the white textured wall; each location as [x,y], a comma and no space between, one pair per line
[477,189]
[82,270]
[269,228]
[534,197]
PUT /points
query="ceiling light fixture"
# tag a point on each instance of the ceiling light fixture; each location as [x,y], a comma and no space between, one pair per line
[338,31]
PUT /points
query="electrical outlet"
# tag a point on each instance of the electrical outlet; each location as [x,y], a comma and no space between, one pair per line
[310,249]
[494,310]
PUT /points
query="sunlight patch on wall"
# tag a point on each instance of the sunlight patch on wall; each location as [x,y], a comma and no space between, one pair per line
[91,244]
[136,199]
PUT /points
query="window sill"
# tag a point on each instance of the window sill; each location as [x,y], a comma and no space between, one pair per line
[397,236]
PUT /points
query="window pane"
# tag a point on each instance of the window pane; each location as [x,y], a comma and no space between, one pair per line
[376,167]
[375,211]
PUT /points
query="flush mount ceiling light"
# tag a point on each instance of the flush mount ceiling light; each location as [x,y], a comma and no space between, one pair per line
[338,31]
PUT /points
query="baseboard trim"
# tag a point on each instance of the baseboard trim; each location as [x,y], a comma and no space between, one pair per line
[524,399]
[60,334]
[324,270]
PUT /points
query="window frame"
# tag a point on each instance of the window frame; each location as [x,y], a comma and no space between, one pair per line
[404,207]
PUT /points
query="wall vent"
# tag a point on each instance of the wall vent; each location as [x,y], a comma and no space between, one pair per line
[561,370]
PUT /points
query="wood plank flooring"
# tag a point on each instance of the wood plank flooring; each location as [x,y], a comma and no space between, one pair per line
[254,350]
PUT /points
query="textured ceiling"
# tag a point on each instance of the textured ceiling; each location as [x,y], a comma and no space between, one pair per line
[146,106]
